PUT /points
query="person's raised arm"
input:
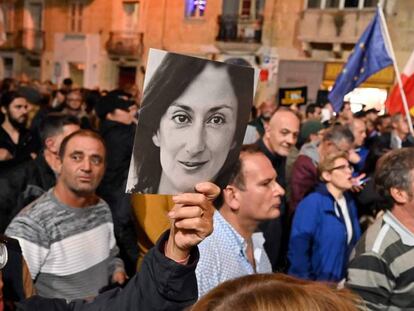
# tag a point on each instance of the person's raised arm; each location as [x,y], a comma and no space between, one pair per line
[192,221]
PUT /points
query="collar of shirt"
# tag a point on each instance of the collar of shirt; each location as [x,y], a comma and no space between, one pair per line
[407,237]
[258,240]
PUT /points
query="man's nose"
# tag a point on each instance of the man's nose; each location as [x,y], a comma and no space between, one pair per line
[278,189]
[86,165]
[291,139]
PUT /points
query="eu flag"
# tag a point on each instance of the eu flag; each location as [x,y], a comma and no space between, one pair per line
[369,56]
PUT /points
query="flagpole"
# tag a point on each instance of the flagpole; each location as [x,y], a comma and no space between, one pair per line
[396,70]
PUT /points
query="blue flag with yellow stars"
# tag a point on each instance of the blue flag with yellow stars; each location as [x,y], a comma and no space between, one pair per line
[369,56]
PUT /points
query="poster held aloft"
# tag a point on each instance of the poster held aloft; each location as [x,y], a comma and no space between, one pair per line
[191,124]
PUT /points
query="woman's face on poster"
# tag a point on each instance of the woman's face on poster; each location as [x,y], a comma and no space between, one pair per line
[197,131]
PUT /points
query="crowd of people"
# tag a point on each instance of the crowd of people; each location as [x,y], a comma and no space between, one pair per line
[317,212]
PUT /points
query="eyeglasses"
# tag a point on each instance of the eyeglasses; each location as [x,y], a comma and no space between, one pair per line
[343,167]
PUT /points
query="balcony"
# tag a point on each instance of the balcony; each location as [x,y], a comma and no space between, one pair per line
[239,33]
[332,29]
[123,44]
[25,40]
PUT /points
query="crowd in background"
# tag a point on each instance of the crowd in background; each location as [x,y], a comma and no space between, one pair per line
[322,168]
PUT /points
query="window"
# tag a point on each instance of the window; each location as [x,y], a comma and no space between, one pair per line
[245,7]
[195,8]
[131,16]
[75,16]
[342,4]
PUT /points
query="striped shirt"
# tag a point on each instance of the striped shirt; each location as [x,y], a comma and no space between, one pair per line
[381,268]
[70,251]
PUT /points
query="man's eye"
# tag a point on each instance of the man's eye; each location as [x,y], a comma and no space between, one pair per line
[181,119]
[216,120]
[96,160]
[76,157]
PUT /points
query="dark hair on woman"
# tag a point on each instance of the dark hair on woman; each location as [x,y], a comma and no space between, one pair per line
[268,292]
[168,83]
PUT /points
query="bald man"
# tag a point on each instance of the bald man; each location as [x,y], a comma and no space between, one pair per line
[280,137]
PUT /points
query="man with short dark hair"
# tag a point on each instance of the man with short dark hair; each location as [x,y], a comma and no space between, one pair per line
[313,112]
[381,268]
[16,142]
[398,137]
[235,248]
[345,115]
[67,234]
[27,181]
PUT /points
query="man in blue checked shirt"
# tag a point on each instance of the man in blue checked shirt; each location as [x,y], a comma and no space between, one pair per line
[235,248]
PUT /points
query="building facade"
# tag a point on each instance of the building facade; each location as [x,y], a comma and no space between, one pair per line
[105,43]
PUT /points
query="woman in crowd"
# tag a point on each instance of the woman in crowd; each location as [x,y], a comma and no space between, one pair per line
[325,226]
[269,292]
[191,124]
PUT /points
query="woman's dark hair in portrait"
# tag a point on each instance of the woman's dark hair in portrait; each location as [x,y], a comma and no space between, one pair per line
[173,76]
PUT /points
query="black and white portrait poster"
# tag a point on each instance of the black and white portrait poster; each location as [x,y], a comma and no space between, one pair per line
[192,121]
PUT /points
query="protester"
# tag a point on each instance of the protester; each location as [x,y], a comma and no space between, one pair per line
[304,172]
[325,225]
[75,106]
[398,137]
[235,248]
[313,112]
[167,280]
[22,184]
[56,231]
[359,129]
[381,266]
[345,115]
[280,137]
[16,141]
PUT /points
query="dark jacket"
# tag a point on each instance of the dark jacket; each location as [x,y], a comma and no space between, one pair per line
[22,185]
[384,141]
[318,247]
[119,141]
[276,231]
[27,144]
[162,284]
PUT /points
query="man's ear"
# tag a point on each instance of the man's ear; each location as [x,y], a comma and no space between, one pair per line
[50,145]
[3,110]
[155,138]
[57,165]
[231,197]
[399,196]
